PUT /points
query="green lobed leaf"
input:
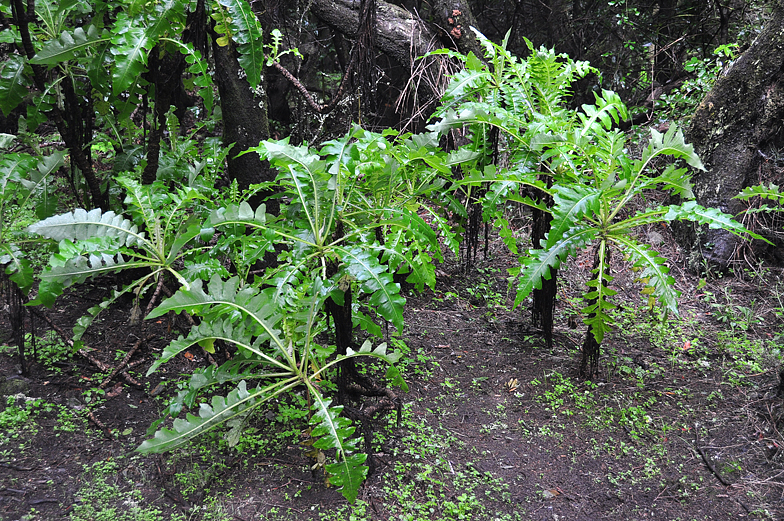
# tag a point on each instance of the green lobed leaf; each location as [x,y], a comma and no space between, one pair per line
[771,192]
[675,180]
[18,268]
[130,48]
[375,280]
[6,141]
[32,174]
[68,46]
[168,14]
[415,228]
[349,475]
[221,410]
[229,371]
[13,83]
[334,432]
[199,67]
[571,204]
[228,329]
[225,296]
[465,115]
[597,311]
[189,230]
[608,110]
[652,267]
[465,82]
[462,155]
[73,268]
[367,349]
[538,263]
[365,323]
[239,214]
[78,269]
[403,257]
[394,376]
[495,199]
[21,273]
[714,218]
[41,194]
[671,143]
[247,32]
[13,169]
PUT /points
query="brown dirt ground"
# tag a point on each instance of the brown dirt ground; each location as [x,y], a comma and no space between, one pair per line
[494,423]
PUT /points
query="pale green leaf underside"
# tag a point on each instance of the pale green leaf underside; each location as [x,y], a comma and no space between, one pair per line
[221,410]
[81,225]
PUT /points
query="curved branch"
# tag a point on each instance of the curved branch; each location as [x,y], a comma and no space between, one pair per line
[321,109]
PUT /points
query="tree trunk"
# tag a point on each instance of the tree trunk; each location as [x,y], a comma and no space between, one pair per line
[544,298]
[14,301]
[732,130]
[70,122]
[559,32]
[665,68]
[244,122]
[455,16]
[165,74]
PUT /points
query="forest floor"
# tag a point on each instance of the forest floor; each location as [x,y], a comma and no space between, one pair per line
[683,422]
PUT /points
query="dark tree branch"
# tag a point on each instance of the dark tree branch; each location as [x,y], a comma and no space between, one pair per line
[321,109]
[73,140]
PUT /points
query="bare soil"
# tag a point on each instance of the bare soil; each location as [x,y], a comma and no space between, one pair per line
[679,425]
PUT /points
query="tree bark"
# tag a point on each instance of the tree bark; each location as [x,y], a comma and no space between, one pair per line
[245,123]
[543,306]
[731,130]
[166,76]
[455,16]
[403,37]
[399,34]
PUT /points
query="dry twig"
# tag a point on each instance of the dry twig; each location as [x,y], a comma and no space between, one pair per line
[125,360]
[85,351]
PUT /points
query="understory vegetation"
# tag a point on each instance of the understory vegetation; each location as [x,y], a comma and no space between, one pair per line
[344,327]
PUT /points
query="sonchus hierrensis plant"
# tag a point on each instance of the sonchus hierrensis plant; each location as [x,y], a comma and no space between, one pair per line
[573,167]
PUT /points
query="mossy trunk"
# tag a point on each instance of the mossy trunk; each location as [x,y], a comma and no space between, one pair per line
[734,129]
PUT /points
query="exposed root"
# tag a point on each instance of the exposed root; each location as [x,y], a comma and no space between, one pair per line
[125,360]
[366,415]
[712,468]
